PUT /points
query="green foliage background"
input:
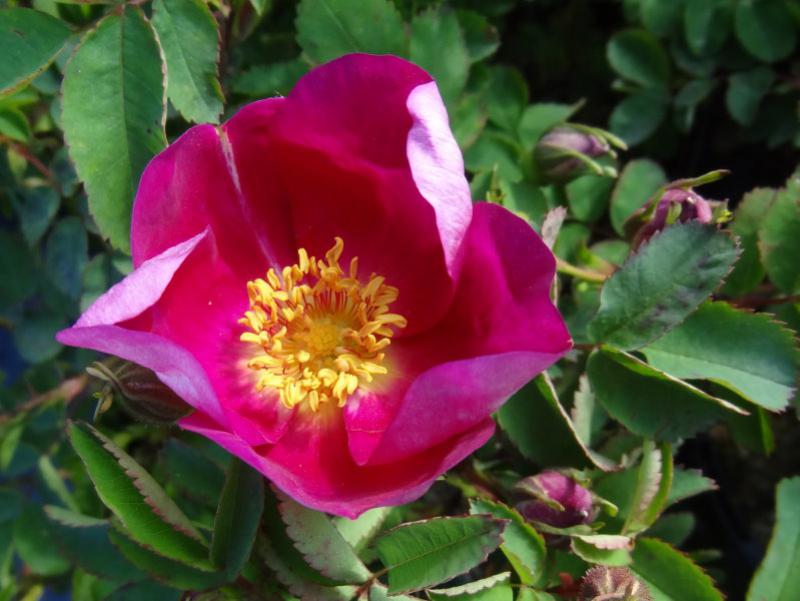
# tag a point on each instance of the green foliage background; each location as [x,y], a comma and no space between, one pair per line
[672,365]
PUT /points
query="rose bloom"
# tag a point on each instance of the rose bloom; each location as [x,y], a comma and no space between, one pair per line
[314,279]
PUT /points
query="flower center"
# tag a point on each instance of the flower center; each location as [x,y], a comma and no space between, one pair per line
[320,332]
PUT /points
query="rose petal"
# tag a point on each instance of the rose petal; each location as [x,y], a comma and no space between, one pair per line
[367,147]
[194,184]
[313,466]
[501,330]
[174,365]
[438,168]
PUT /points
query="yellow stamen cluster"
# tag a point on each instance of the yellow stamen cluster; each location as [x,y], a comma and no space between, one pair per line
[321,333]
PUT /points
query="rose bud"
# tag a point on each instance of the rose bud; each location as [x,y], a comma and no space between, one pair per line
[677,203]
[559,500]
[568,151]
[140,392]
[612,584]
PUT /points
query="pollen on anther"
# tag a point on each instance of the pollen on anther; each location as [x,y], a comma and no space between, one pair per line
[317,332]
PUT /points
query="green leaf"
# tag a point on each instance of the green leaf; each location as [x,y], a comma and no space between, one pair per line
[285,571]
[691,95]
[194,474]
[638,116]
[707,24]
[669,574]
[275,79]
[35,340]
[320,543]
[327,29]
[588,196]
[14,124]
[674,528]
[766,28]
[778,576]
[745,91]
[653,483]
[750,432]
[541,429]
[431,31]
[188,34]
[30,40]
[779,238]
[150,516]
[136,591]
[637,55]
[746,352]
[522,545]
[647,401]
[282,555]
[86,542]
[35,543]
[537,119]
[588,416]
[236,523]
[55,483]
[507,97]
[639,180]
[18,270]
[36,208]
[661,17]
[595,549]
[494,151]
[358,533]
[172,573]
[10,502]
[662,284]
[528,594]
[688,483]
[493,588]
[113,115]
[422,554]
[748,271]
[65,256]
[479,34]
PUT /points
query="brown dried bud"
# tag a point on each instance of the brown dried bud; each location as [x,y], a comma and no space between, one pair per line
[602,583]
[140,392]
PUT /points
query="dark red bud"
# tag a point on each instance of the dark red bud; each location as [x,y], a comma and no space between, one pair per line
[675,205]
[566,152]
[141,393]
[558,500]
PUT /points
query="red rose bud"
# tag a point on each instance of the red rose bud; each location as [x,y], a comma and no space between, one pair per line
[140,392]
[568,151]
[559,500]
[602,583]
[678,203]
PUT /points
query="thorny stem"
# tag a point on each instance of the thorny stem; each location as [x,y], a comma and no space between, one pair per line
[580,273]
[67,390]
[26,153]
[368,583]
[755,302]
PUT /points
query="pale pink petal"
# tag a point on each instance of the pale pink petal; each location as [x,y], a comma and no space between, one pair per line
[438,168]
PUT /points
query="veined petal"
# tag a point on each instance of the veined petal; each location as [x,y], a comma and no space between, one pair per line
[500,331]
[196,183]
[313,465]
[387,176]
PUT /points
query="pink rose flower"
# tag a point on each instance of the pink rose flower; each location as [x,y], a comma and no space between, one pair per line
[313,278]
